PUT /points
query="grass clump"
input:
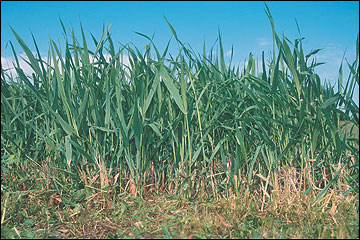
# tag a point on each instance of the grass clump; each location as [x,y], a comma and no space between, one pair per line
[170,216]
[87,131]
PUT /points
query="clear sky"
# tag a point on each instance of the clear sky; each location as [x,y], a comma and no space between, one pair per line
[332,25]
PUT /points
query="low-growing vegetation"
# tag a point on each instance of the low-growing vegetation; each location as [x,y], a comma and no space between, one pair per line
[181,146]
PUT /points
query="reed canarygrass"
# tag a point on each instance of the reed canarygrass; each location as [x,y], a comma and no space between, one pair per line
[185,124]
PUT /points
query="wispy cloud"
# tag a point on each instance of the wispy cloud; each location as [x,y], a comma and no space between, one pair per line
[228,53]
[331,55]
[8,63]
[263,41]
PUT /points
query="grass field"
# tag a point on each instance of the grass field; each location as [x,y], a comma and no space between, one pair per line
[178,146]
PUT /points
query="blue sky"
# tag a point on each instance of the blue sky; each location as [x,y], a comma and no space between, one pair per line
[331,25]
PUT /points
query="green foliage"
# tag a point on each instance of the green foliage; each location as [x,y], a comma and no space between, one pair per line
[176,120]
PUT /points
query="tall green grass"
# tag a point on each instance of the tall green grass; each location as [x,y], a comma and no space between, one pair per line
[181,123]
